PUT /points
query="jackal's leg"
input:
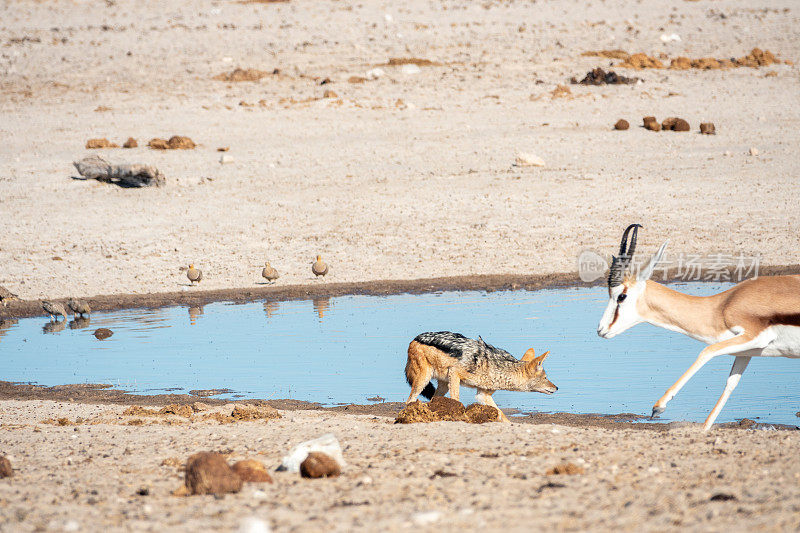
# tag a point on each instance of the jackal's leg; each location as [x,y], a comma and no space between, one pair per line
[420,380]
[442,387]
[454,383]
[484,396]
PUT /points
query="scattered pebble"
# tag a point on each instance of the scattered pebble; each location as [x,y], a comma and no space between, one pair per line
[253,525]
[528,160]
[675,124]
[130,143]
[707,128]
[375,73]
[753,150]
[317,465]
[240,74]
[651,124]
[622,124]
[209,473]
[330,94]
[599,76]
[102,333]
[100,143]
[410,69]
[327,444]
[426,518]
[252,471]
[225,158]
[5,467]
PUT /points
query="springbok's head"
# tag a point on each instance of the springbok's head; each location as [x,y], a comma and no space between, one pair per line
[625,289]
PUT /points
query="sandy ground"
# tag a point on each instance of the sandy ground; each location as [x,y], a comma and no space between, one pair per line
[384,191]
[446,476]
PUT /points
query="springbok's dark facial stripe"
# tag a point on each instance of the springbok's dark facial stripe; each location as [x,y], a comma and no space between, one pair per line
[616,310]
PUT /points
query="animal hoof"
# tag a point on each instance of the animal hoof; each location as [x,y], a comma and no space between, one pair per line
[656,411]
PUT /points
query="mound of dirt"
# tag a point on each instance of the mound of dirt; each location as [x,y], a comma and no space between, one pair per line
[243,413]
[569,469]
[561,91]
[442,409]
[176,142]
[100,143]
[599,76]
[640,61]
[239,74]
[609,54]
[622,125]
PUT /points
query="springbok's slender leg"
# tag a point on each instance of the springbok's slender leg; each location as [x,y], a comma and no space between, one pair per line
[485,397]
[739,364]
[731,346]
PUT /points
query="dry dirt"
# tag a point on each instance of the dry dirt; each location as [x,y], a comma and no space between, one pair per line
[98,472]
[425,189]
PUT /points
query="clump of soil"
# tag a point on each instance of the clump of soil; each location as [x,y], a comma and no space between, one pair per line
[209,473]
[172,409]
[640,61]
[239,74]
[399,61]
[356,79]
[442,409]
[757,58]
[130,143]
[651,123]
[318,465]
[100,143]
[250,412]
[675,124]
[569,469]
[176,142]
[622,125]
[252,471]
[609,54]
[599,76]
[561,91]
[5,467]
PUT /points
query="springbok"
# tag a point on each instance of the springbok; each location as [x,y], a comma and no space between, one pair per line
[757,317]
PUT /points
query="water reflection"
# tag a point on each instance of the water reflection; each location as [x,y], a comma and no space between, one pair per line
[321,306]
[271,308]
[6,324]
[54,327]
[195,312]
[80,322]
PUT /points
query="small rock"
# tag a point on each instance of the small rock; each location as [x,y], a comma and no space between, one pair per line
[199,407]
[252,471]
[753,150]
[102,333]
[722,497]
[223,148]
[317,465]
[375,73]
[327,444]
[426,518]
[651,124]
[177,142]
[622,124]
[569,469]
[226,159]
[209,473]
[130,143]
[252,412]
[528,160]
[100,143]
[330,94]
[746,423]
[481,414]
[356,79]
[707,128]
[158,144]
[681,125]
[410,69]
[253,525]
[5,467]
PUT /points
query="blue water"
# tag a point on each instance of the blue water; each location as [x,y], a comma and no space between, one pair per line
[351,348]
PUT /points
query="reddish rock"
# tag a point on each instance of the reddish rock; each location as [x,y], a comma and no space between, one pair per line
[252,471]
[622,124]
[318,465]
[707,128]
[5,467]
[130,143]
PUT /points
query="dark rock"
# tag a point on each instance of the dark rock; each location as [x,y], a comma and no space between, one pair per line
[599,76]
[102,333]
[481,414]
[707,128]
[252,471]
[622,124]
[5,467]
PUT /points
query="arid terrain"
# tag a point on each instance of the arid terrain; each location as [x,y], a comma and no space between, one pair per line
[401,141]
[407,176]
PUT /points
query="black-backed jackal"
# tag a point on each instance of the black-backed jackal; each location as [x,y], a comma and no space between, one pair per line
[455,360]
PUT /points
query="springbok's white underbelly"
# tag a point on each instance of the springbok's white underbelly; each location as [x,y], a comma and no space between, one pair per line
[781,341]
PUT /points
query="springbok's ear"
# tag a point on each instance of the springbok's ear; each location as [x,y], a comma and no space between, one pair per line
[647,271]
[529,355]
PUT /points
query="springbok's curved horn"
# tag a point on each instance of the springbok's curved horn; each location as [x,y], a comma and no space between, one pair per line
[621,262]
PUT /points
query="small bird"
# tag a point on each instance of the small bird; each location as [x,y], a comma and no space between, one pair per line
[194,274]
[319,267]
[6,296]
[269,273]
[79,307]
[54,309]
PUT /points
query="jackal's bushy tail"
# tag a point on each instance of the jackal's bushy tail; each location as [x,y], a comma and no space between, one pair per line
[427,392]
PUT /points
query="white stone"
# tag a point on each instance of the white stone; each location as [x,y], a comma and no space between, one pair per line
[528,160]
[753,150]
[252,524]
[226,159]
[426,518]
[327,444]
[375,73]
[410,69]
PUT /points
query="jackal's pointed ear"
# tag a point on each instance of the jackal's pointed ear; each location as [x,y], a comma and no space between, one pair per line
[529,355]
[540,360]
